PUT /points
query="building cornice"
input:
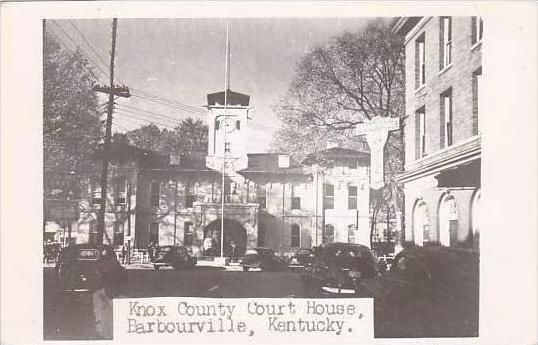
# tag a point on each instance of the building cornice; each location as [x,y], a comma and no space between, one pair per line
[416,29]
[449,157]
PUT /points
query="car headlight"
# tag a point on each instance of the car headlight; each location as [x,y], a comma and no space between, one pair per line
[354,274]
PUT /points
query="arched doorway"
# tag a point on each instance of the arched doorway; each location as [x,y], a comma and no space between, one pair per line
[421,223]
[476,219]
[235,238]
[448,221]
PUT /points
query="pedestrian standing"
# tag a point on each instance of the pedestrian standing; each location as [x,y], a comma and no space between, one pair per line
[151,251]
[207,245]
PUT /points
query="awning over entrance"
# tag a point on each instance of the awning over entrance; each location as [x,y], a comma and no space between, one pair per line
[467,175]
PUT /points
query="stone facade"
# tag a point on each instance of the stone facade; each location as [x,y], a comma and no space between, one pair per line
[442,136]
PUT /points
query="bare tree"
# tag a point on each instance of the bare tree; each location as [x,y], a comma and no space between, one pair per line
[353,78]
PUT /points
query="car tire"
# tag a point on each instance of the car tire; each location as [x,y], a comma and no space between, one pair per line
[156,267]
[245,268]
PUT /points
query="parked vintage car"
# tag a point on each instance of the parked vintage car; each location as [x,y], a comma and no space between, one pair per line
[428,292]
[85,267]
[262,258]
[178,257]
[339,268]
[302,257]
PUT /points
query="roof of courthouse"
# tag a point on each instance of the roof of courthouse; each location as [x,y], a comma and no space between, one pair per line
[336,153]
[232,98]
[267,163]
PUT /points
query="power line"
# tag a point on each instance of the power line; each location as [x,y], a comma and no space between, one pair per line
[141,93]
[181,107]
[164,117]
[142,118]
[62,42]
[172,102]
[88,43]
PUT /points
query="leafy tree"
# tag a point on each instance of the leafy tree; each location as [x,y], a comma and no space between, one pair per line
[353,78]
[189,137]
[71,126]
[147,137]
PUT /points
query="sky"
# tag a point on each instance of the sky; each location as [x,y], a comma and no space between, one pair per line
[182,60]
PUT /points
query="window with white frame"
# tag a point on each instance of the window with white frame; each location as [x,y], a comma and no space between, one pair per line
[295,236]
[420,133]
[155,193]
[328,196]
[445,52]
[352,198]
[446,119]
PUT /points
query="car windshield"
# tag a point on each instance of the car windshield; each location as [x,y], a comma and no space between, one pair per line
[88,254]
[251,252]
[345,256]
[165,249]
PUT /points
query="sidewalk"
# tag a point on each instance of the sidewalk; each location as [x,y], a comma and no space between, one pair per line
[233,266]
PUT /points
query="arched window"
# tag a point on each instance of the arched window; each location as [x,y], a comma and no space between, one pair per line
[448,220]
[328,233]
[295,236]
[476,219]
[421,224]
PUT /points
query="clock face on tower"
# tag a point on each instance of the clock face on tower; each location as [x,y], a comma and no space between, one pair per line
[229,124]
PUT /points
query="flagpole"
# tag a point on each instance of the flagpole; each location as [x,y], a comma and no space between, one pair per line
[226,87]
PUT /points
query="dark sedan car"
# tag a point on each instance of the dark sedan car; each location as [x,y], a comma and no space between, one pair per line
[85,267]
[340,268]
[428,292]
[262,258]
[176,256]
[302,257]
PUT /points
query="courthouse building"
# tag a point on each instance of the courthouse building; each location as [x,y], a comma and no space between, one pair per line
[442,129]
[270,200]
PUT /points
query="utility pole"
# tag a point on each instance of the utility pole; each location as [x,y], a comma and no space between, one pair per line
[112,91]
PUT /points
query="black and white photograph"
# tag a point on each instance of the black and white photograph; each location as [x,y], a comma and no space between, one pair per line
[236,166]
[296,158]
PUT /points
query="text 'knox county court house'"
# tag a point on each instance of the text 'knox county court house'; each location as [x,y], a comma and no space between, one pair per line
[270,200]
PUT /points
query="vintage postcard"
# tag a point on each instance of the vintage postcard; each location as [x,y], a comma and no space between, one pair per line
[295,172]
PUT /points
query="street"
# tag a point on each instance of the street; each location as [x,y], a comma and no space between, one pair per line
[70,315]
[398,311]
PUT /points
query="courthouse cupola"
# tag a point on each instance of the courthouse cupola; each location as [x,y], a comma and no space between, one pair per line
[227,126]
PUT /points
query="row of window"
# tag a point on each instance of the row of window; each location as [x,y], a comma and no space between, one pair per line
[446,133]
[117,234]
[445,46]
[328,197]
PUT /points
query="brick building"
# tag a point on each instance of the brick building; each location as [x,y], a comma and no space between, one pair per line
[442,129]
